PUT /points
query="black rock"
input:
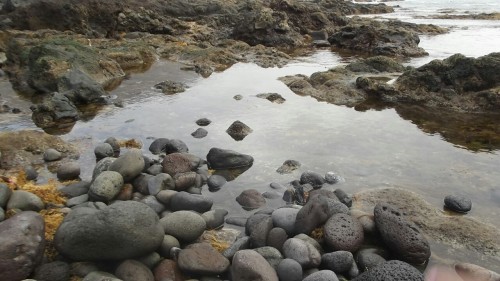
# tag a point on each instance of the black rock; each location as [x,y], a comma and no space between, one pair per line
[343,197]
[272,97]
[186,201]
[203,122]
[238,130]
[458,203]
[391,271]
[369,258]
[52,271]
[276,238]
[170,87]
[75,189]
[215,182]
[258,227]
[312,215]
[402,237]
[312,178]
[288,166]
[31,173]
[199,133]
[251,199]
[158,145]
[220,159]
[240,244]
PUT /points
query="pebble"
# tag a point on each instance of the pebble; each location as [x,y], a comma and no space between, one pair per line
[458,203]
[343,232]
[202,259]
[103,150]
[285,219]
[238,97]
[215,218]
[100,276]
[175,163]
[5,193]
[186,226]
[160,182]
[25,201]
[132,270]
[68,171]
[153,203]
[332,178]
[258,227]
[241,243]
[167,244]
[276,238]
[168,270]
[194,202]
[75,189]
[158,145]
[77,200]
[165,196]
[312,215]
[155,169]
[289,270]
[272,255]
[114,144]
[150,260]
[312,178]
[22,243]
[238,221]
[199,133]
[81,269]
[221,159]
[401,236]
[369,258]
[106,186]
[251,199]
[393,270]
[343,197]
[129,165]
[31,173]
[215,182]
[102,165]
[338,262]
[288,167]
[322,275]
[304,253]
[248,265]
[51,155]
[203,122]
[185,181]
[238,130]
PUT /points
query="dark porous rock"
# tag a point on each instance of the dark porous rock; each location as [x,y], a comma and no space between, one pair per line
[258,227]
[312,215]
[343,197]
[338,262]
[170,87]
[116,232]
[184,181]
[199,133]
[129,165]
[343,232]
[312,178]
[22,243]
[68,171]
[160,182]
[333,178]
[391,271]
[51,155]
[56,112]
[377,38]
[5,193]
[186,226]
[272,97]
[52,271]
[285,219]
[203,122]
[132,270]
[288,166]
[376,64]
[75,189]
[102,165]
[168,270]
[178,163]
[202,259]
[322,275]
[248,265]
[106,186]
[238,130]
[276,238]
[193,202]
[458,203]
[289,270]
[114,144]
[215,218]
[31,173]
[215,182]
[402,236]
[220,159]
[251,199]
[242,243]
[103,150]
[369,258]
[303,252]
[272,255]
[153,203]
[158,145]
[25,201]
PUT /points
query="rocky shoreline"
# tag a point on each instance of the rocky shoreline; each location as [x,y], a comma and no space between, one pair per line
[143,214]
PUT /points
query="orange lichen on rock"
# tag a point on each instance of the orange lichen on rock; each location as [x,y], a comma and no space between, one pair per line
[130,143]
[216,243]
[317,233]
[47,192]
[53,218]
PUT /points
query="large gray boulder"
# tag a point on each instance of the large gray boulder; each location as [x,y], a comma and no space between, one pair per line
[122,230]
[402,236]
[22,242]
[248,265]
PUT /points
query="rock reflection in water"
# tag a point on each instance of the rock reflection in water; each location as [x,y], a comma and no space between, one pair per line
[476,132]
